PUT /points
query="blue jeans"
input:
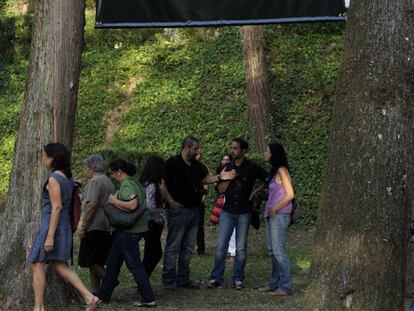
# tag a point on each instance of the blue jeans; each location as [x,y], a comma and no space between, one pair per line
[125,247]
[411,306]
[228,222]
[181,241]
[280,277]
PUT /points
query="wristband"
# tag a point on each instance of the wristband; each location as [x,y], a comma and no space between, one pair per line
[219,178]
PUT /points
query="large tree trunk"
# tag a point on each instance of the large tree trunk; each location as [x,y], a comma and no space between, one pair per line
[409,290]
[257,85]
[409,275]
[361,236]
[48,115]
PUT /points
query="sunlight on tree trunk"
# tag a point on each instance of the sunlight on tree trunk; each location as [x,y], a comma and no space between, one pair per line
[48,115]
[257,84]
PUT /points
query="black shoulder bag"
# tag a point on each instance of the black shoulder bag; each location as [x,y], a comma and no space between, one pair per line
[121,219]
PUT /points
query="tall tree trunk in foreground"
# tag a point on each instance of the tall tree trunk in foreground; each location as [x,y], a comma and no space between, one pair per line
[48,115]
[409,275]
[257,84]
[409,280]
[360,240]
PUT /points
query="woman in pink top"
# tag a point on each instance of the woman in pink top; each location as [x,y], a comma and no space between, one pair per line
[277,213]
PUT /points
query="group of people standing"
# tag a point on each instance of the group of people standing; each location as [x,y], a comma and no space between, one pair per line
[171,190]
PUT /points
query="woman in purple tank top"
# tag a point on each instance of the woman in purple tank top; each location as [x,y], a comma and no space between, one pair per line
[277,213]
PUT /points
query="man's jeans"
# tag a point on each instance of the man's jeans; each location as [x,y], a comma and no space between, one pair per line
[228,222]
[201,244]
[125,247]
[411,306]
[181,241]
[276,236]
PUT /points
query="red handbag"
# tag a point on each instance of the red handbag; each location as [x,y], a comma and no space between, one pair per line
[219,201]
[216,211]
[214,219]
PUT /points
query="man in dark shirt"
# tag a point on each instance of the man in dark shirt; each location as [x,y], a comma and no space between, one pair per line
[201,244]
[236,213]
[184,177]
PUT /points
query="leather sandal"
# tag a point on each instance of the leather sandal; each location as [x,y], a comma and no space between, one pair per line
[152,304]
[91,306]
[266,289]
[279,292]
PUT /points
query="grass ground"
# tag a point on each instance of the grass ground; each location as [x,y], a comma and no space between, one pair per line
[299,245]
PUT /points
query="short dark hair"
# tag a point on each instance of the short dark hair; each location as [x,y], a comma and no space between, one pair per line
[189,142]
[120,164]
[244,145]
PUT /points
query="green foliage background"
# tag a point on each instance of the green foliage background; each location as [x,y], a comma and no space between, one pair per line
[159,86]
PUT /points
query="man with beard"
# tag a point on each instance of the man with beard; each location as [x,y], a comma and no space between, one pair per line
[236,213]
[184,177]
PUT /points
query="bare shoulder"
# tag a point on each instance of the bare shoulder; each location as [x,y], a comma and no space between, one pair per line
[283,173]
[53,184]
[52,180]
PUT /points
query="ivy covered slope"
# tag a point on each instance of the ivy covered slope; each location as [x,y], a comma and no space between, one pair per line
[15,32]
[142,91]
[159,88]
[303,63]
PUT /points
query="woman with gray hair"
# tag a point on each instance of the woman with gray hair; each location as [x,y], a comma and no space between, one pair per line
[94,231]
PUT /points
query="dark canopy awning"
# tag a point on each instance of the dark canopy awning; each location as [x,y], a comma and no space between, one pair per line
[183,13]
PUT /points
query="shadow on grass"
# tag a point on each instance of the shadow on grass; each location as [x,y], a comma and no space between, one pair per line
[257,272]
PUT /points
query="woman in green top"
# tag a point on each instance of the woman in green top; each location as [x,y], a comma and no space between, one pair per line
[125,245]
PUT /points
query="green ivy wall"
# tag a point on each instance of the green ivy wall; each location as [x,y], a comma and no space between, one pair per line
[149,88]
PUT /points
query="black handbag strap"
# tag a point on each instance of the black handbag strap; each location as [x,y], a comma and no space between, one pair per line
[130,199]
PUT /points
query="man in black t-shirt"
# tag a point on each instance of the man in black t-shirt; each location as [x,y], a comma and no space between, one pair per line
[236,213]
[201,244]
[184,177]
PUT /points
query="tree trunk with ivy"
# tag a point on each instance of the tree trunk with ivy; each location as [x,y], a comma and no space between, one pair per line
[48,115]
[257,84]
[359,260]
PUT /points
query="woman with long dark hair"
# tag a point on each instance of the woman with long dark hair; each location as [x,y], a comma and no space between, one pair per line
[53,242]
[152,180]
[277,213]
[224,160]
[125,243]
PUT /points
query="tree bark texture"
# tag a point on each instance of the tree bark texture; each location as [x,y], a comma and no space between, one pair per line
[257,84]
[409,276]
[47,116]
[409,287]
[359,258]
